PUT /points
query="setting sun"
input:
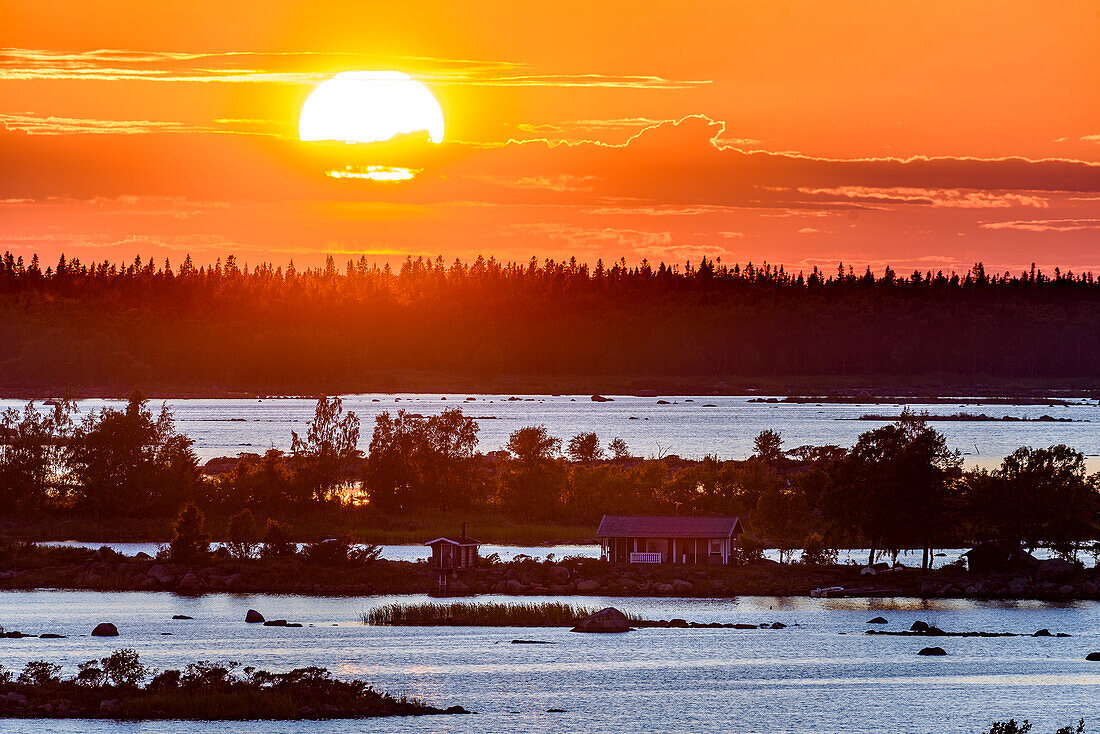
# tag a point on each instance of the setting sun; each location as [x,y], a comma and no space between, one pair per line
[369,107]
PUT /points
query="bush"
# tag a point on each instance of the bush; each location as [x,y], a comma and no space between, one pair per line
[747,549]
[191,540]
[40,673]
[242,535]
[124,668]
[277,541]
[816,553]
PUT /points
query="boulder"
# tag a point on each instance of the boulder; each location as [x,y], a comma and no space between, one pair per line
[110,706]
[512,586]
[143,556]
[161,573]
[190,581]
[1055,569]
[877,620]
[608,619]
[275,623]
[1042,633]
[932,651]
[181,616]
[683,587]
[919,626]
[1093,657]
[778,626]
[664,589]
[51,636]
[1067,590]
[1017,586]
[588,585]
[600,399]
[680,623]
[558,574]
[105,629]
[253,617]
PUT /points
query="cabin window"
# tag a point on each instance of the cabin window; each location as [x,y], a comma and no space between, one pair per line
[716,546]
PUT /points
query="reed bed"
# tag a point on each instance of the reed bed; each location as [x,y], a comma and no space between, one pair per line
[483,614]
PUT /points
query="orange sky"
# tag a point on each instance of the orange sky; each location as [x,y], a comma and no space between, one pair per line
[922,135]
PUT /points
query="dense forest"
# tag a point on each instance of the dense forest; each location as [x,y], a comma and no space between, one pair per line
[899,487]
[231,327]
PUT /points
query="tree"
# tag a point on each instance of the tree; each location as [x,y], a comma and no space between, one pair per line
[783,517]
[32,455]
[618,449]
[191,541]
[243,534]
[532,482]
[40,673]
[894,487]
[768,446]
[128,463]
[585,448]
[323,456]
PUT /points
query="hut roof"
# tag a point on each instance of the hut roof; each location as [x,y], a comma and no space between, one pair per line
[655,526]
[463,540]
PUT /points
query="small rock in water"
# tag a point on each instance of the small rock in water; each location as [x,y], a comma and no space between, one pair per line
[932,651]
[555,711]
[1042,633]
[919,626]
[531,642]
[253,617]
[1093,657]
[608,619]
[105,629]
[877,620]
[275,623]
[778,626]
[51,636]
[181,616]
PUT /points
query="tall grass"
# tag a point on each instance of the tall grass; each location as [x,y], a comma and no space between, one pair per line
[484,614]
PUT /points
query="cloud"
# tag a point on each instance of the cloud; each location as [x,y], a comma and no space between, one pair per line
[285,68]
[1046,225]
[930,197]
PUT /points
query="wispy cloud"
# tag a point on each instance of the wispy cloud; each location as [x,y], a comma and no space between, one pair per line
[954,198]
[285,68]
[1045,225]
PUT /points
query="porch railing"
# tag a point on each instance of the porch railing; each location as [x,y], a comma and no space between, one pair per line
[646,557]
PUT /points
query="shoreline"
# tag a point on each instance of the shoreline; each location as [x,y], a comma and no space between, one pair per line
[83,569]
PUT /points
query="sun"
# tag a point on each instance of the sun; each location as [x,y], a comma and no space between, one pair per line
[370,107]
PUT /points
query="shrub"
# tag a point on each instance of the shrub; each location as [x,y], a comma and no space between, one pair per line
[243,534]
[124,668]
[191,540]
[89,674]
[816,553]
[277,541]
[747,549]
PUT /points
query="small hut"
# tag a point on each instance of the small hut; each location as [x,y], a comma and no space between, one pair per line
[451,555]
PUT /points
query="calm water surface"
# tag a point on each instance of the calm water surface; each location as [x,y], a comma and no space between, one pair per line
[686,426]
[821,674]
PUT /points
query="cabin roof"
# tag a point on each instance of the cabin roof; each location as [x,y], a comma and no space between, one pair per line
[463,540]
[656,526]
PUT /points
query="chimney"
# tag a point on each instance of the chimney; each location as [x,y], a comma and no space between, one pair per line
[464,530]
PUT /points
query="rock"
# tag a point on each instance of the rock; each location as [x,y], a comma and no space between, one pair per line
[877,620]
[253,616]
[293,624]
[512,586]
[932,651]
[600,399]
[181,616]
[110,706]
[1055,569]
[683,587]
[532,642]
[142,555]
[275,623]
[1066,590]
[608,619]
[161,573]
[1017,586]
[919,626]
[559,574]
[1093,657]
[778,626]
[679,623]
[105,629]
[588,585]
[1042,633]
[664,589]
[51,636]
[744,626]
[189,581]
[455,710]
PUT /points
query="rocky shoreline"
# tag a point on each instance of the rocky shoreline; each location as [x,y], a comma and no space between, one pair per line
[106,570]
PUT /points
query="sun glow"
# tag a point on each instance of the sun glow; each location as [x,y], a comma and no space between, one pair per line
[370,107]
[375,173]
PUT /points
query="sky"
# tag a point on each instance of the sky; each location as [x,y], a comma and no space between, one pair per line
[924,136]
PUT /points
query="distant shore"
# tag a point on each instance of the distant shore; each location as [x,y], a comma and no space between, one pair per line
[865,388]
[39,567]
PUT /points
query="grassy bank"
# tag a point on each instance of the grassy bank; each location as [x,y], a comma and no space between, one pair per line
[489,614]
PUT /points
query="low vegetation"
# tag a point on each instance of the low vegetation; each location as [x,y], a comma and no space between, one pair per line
[488,614]
[120,686]
[1012,727]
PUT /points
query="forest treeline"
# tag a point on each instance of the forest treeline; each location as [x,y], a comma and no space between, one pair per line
[343,328]
[899,487]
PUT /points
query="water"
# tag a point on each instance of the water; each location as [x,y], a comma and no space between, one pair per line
[821,674]
[685,427]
